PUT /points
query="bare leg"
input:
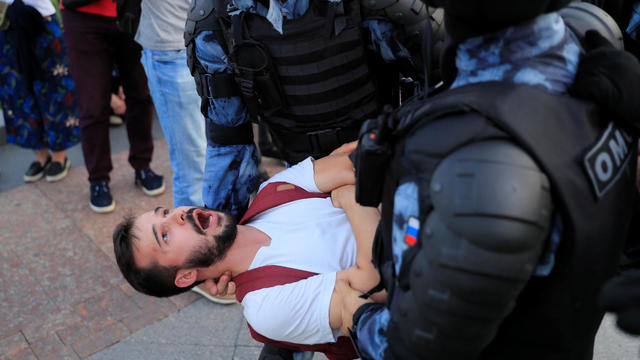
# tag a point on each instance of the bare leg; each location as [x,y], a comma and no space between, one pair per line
[41,155]
[59,156]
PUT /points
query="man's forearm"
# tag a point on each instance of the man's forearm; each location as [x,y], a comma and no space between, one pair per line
[333,171]
[364,221]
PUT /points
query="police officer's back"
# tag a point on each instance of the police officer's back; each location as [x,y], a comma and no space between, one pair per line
[507,201]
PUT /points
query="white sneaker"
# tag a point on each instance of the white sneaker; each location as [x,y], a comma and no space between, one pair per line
[224,300]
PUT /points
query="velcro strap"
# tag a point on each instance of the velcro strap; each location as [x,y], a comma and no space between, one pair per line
[229,135]
[219,85]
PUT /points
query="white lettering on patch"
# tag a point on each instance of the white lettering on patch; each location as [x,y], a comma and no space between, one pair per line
[608,158]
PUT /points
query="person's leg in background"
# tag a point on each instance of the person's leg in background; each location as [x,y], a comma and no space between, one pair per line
[56,99]
[18,106]
[139,114]
[178,107]
[39,114]
[91,56]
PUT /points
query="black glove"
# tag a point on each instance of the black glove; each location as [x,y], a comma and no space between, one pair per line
[611,79]
[621,295]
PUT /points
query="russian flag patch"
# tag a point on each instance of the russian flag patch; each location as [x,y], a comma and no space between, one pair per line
[411,232]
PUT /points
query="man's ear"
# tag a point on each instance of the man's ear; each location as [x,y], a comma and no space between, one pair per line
[186,277]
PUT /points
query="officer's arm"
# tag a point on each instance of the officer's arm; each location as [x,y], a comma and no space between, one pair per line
[477,250]
[231,166]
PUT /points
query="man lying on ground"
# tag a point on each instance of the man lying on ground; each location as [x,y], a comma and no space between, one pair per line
[167,251]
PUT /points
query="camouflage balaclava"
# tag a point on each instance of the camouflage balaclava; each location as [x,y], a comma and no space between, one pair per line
[469,18]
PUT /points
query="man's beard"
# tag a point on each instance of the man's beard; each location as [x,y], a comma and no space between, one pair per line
[207,254]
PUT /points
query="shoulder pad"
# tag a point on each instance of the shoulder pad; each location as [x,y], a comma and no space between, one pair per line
[405,12]
[200,9]
[491,189]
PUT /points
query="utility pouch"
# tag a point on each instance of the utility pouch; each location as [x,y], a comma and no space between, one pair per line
[257,78]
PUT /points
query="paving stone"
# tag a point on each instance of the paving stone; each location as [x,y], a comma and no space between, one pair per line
[201,323]
[138,321]
[27,215]
[49,324]
[119,304]
[153,304]
[244,336]
[25,354]
[94,317]
[135,351]
[22,300]
[612,343]
[96,341]
[52,348]
[70,268]
[247,352]
[185,299]
[13,344]
[73,333]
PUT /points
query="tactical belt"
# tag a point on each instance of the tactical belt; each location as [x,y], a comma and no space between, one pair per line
[319,142]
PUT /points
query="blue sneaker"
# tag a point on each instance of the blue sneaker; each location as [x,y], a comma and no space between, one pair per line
[151,183]
[101,200]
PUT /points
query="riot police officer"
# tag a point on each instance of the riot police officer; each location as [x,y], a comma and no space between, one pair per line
[506,202]
[310,71]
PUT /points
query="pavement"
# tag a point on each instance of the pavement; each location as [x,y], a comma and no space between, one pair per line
[62,296]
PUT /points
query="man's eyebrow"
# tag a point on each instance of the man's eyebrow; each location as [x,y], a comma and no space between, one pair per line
[155,234]
[155,211]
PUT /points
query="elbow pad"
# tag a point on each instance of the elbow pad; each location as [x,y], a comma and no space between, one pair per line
[479,246]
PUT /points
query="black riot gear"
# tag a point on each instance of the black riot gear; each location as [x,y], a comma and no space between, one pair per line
[486,174]
[314,84]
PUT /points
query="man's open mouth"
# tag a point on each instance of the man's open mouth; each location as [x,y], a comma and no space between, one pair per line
[204,219]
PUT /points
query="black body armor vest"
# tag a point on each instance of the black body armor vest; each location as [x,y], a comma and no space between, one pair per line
[591,166]
[311,85]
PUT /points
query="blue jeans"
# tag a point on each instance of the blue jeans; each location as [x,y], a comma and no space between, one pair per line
[178,105]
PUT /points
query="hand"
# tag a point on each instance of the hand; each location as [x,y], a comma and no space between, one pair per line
[611,79]
[351,301]
[223,287]
[346,148]
[621,295]
[343,196]
[121,92]
[118,105]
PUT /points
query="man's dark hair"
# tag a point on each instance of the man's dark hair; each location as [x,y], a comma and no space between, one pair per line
[155,280]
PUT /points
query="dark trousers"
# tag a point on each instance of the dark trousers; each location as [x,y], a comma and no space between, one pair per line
[95,45]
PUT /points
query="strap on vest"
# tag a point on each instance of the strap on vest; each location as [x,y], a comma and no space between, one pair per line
[275,194]
[273,275]
[230,135]
[215,86]
[267,276]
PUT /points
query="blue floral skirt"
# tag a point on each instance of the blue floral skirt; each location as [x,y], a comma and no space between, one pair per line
[50,118]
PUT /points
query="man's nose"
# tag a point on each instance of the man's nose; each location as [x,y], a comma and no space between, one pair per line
[178,216]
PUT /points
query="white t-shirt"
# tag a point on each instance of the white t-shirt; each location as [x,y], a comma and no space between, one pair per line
[310,235]
[44,7]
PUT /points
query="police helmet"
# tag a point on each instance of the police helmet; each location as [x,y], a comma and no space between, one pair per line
[582,16]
